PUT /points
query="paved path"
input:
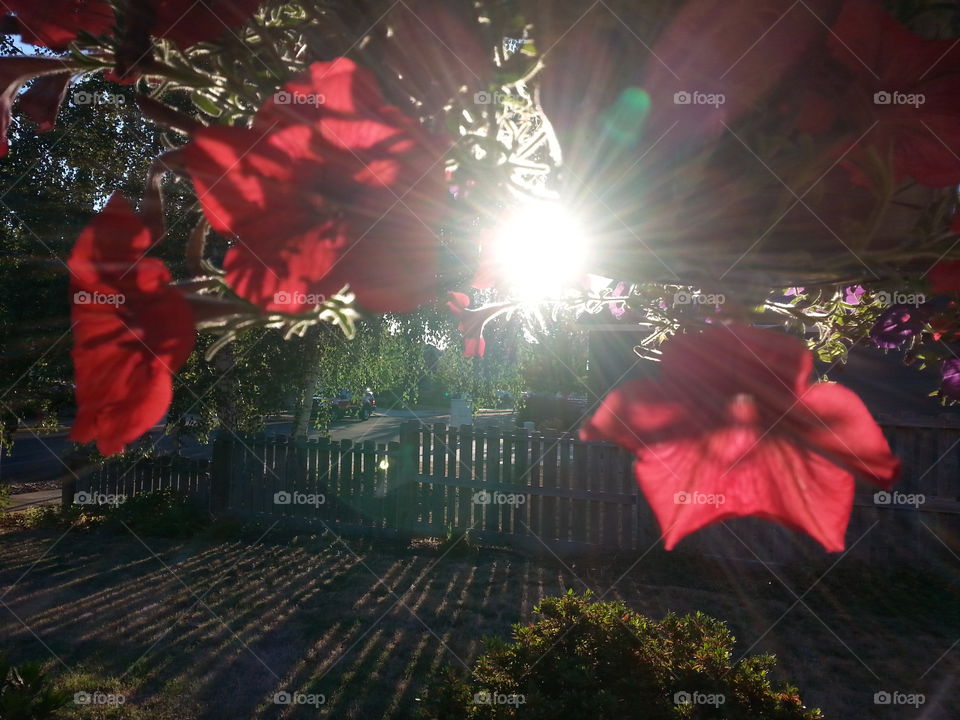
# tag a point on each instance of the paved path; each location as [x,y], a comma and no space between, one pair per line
[33,499]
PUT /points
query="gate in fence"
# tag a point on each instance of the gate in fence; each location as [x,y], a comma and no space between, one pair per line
[538,491]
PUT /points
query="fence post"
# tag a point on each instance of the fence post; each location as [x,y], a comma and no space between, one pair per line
[69,488]
[220,472]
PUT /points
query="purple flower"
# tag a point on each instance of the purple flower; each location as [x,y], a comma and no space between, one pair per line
[852,294]
[898,324]
[791,292]
[950,379]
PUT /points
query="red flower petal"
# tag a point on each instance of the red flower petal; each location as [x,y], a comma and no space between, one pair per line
[636,414]
[41,102]
[458,302]
[131,330]
[437,48]
[694,482]
[188,22]
[944,277]
[14,72]
[737,358]
[56,23]
[473,320]
[840,426]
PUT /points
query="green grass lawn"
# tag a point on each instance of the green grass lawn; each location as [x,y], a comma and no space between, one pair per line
[208,628]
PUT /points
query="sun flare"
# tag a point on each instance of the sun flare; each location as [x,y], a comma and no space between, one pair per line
[541,250]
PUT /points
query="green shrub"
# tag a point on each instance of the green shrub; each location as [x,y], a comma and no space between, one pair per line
[160,513]
[26,694]
[56,517]
[602,660]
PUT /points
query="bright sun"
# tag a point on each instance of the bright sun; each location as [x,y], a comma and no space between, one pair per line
[541,250]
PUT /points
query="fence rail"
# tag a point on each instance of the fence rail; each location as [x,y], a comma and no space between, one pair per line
[540,491]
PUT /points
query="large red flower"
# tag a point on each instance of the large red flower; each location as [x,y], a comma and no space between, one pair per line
[56,23]
[131,330]
[330,186]
[908,85]
[733,427]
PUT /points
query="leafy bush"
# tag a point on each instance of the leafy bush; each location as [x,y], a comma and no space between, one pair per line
[48,517]
[161,513]
[602,660]
[26,694]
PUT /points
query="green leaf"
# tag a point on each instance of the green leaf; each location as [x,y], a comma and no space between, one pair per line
[205,104]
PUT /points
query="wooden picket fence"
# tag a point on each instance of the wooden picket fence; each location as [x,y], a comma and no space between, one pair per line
[538,491]
[128,477]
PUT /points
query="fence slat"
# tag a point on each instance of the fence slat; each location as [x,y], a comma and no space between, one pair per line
[507,480]
[468,473]
[549,457]
[490,518]
[579,481]
[610,522]
[453,472]
[437,494]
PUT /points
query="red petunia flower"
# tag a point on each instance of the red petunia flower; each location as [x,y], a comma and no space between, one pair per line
[472,321]
[57,23]
[734,428]
[131,330]
[906,83]
[331,186]
[188,22]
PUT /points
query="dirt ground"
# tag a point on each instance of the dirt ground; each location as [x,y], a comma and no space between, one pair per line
[214,629]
